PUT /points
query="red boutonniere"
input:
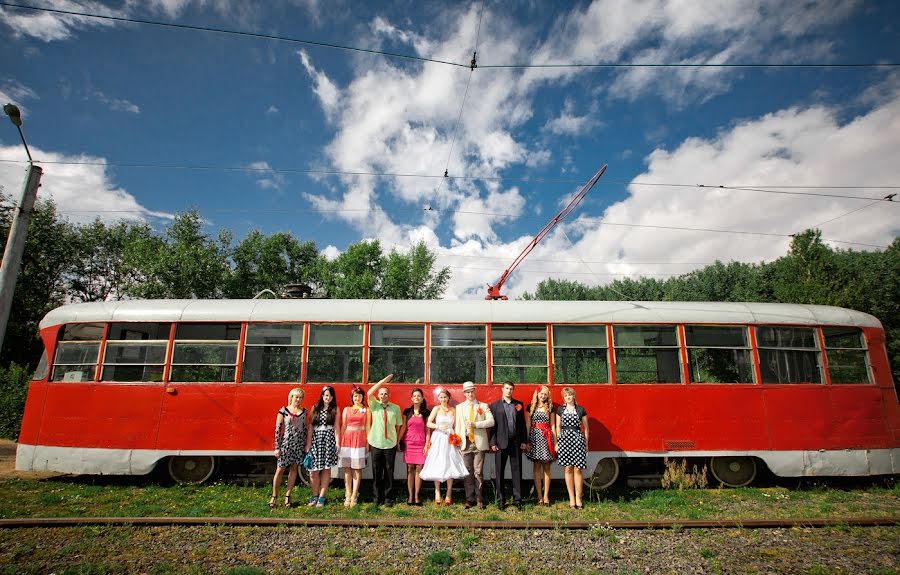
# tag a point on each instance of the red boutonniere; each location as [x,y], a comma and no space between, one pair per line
[518,407]
[480,411]
[454,439]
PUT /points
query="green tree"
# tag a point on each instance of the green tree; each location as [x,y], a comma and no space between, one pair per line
[412,275]
[106,266]
[355,274]
[270,262]
[184,262]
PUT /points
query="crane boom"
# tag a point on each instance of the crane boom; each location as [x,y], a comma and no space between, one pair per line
[493,291]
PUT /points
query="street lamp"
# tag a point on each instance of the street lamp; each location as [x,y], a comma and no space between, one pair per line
[15,243]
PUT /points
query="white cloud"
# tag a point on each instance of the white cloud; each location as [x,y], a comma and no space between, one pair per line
[118,104]
[272,110]
[570,124]
[81,192]
[270,180]
[328,94]
[48,26]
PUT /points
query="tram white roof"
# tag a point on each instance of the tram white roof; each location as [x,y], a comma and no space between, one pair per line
[453,311]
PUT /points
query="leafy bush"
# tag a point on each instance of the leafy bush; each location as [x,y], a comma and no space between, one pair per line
[13,389]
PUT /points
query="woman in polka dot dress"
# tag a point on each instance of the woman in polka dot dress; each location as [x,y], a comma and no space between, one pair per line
[290,437]
[571,447]
[540,436]
[322,444]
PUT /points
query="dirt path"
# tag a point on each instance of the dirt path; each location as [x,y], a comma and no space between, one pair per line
[8,463]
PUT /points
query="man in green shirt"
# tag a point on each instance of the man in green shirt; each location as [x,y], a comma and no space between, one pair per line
[383,425]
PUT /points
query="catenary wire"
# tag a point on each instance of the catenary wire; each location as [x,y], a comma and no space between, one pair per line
[229,32]
[766,189]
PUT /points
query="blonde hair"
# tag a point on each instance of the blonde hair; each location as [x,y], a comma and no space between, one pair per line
[296,391]
[568,391]
[535,401]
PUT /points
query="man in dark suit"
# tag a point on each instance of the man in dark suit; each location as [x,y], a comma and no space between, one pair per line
[508,441]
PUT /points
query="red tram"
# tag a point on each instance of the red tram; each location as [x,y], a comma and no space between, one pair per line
[806,390]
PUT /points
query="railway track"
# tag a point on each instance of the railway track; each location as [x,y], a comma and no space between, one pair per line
[468,524]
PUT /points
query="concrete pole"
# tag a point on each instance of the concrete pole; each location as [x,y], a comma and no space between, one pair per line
[15,245]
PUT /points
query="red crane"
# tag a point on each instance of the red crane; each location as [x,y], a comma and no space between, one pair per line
[493,291]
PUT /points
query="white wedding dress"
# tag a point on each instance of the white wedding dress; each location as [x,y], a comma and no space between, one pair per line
[444,461]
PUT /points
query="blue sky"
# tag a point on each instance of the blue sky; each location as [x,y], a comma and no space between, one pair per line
[99,95]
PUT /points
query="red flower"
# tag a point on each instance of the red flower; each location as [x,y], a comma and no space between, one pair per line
[518,407]
[480,411]
[454,439]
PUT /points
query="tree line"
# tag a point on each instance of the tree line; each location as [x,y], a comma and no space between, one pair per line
[810,273]
[66,262]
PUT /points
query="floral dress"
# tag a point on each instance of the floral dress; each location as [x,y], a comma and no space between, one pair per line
[323,446]
[290,437]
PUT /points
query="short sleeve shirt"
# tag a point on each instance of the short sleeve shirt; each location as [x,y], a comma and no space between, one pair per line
[376,436]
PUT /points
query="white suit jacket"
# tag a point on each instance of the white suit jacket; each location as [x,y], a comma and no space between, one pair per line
[483,421]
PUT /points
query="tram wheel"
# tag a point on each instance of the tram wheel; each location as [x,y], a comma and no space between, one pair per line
[733,471]
[192,468]
[605,474]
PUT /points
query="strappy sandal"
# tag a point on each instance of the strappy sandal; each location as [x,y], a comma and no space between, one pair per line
[320,502]
[287,501]
[448,502]
[312,501]
[272,502]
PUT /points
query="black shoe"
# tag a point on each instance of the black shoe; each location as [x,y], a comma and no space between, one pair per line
[501,506]
[481,505]
[388,503]
[418,504]
[468,506]
[520,507]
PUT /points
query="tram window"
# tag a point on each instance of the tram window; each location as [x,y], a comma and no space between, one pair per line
[273,352]
[788,354]
[580,354]
[845,349]
[42,369]
[335,353]
[519,353]
[646,354]
[205,352]
[77,352]
[718,354]
[135,352]
[397,349]
[458,354]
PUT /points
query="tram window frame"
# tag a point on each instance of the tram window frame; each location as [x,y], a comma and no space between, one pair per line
[263,352]
[127,338]
[785,356]
[629,352]
[319,353]
[520,373]
[397,352]
[693,341]
[835,338]
[446,348]
[224,337]
[580,348]
[85,337]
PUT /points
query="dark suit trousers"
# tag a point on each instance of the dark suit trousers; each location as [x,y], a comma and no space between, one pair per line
[383,473]
[513,453]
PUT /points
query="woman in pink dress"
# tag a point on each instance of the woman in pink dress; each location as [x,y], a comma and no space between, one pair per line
[353,455]
[414,434]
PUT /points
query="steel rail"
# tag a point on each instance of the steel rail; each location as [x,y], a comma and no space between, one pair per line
[451,524]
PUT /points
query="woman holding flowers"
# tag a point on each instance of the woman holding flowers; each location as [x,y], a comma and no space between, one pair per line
[443,461]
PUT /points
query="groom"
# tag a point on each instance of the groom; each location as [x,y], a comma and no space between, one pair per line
[473,419]
[508,442]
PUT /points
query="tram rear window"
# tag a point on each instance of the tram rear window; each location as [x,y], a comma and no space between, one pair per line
[845,350]
[788,355]
[77,352]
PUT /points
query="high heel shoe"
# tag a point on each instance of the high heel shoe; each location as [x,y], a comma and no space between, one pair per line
[287,500]
[272,502]
[448,502]
[347,501]
[353,501]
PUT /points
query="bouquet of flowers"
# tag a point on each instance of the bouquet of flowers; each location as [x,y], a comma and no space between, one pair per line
[454,440]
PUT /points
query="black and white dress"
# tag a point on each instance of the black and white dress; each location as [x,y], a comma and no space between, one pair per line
[540,449]
[323,446]
[290,437]
[571,449]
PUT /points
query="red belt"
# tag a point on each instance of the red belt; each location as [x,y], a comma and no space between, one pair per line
[544,428]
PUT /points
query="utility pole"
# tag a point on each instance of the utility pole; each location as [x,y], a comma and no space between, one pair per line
[15,243]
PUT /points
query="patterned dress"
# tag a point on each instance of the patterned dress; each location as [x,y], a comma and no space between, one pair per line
[290,437]
[541,448]
[323,446]
[572,448]
[354,447]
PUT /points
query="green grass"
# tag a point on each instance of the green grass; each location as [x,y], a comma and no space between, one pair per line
[99,497]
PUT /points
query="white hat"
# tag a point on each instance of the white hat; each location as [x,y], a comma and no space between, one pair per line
[468,386]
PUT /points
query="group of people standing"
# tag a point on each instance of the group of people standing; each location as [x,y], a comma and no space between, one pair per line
[441,444]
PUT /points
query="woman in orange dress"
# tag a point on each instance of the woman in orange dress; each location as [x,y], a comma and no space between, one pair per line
[354,452]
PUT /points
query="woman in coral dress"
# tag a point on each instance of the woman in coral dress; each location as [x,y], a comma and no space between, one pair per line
[354,453]
[443,461]
[413,436]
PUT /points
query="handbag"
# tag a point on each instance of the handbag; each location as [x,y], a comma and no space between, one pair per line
[308,460]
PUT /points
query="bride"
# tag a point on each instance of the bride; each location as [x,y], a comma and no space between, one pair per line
[443,461]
